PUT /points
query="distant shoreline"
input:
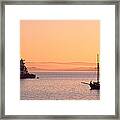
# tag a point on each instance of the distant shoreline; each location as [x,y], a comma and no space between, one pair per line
[63,71]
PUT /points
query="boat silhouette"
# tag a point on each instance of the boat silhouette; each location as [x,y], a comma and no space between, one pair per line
[95,85]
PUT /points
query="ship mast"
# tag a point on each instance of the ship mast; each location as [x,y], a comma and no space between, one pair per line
[97,67]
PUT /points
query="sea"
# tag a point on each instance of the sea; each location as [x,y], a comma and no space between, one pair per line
[59,85]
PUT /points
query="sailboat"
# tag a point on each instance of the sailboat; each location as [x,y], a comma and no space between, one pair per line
[95,85]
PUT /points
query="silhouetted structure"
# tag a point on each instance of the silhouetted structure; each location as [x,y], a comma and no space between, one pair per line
[24,72]
[95,85]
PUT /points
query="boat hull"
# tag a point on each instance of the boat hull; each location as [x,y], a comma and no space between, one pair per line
[95,86]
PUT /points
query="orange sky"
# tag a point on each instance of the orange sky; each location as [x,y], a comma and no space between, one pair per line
[59,40]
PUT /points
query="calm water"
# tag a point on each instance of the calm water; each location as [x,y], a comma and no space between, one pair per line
[66,75]
[59,86]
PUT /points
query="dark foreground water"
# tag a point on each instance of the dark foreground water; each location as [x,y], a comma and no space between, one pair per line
[59,86]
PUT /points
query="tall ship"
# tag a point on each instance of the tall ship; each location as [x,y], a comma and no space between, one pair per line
[95,85]
[24,71]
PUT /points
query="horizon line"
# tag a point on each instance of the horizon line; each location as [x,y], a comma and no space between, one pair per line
[59,62]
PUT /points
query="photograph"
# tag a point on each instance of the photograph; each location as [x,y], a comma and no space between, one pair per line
[60,59]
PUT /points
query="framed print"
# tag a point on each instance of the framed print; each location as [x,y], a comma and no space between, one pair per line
[59,59]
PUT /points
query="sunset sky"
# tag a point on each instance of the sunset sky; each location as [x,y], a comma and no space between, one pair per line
[63,41]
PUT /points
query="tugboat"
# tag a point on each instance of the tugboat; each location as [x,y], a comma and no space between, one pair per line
[95,85]
[24,72]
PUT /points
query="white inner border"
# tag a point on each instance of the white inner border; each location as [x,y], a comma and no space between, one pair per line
[104,13]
